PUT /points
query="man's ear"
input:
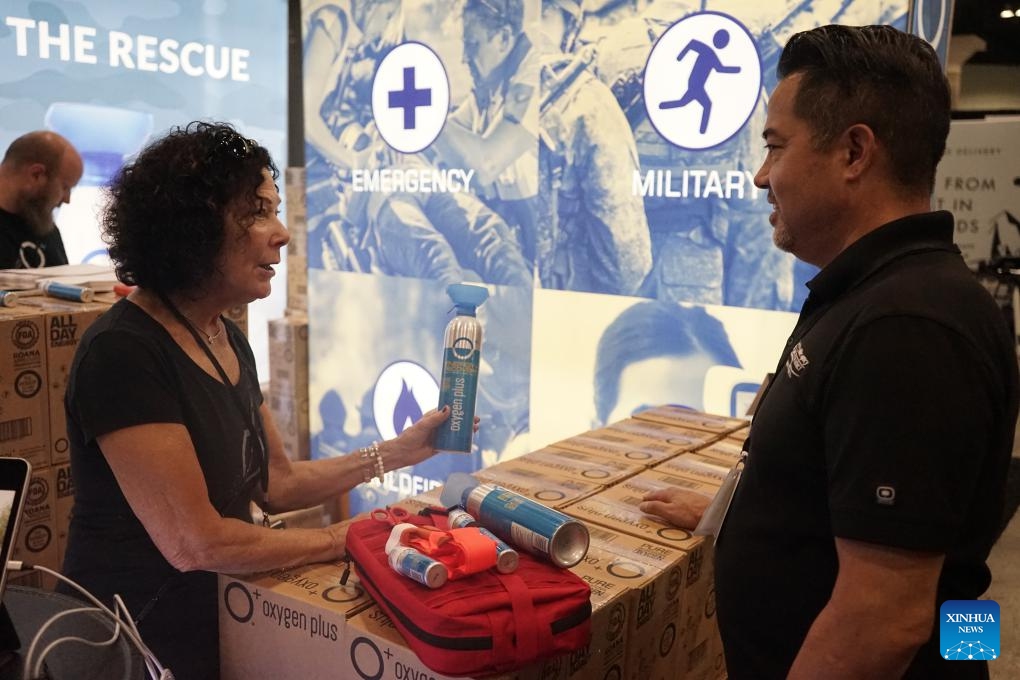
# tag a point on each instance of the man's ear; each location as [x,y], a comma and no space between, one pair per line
[37,171]
[861,148]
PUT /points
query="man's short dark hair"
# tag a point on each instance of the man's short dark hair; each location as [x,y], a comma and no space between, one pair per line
[889,80]
[166,218]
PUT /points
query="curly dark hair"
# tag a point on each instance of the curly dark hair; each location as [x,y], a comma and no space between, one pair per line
[165,221]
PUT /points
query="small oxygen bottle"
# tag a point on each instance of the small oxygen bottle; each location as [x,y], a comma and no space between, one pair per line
[462,346]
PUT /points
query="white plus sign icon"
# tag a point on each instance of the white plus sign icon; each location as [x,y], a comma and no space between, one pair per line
[702,80]
[410,97]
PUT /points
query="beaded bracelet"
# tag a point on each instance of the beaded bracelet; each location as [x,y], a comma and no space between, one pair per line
[372,461]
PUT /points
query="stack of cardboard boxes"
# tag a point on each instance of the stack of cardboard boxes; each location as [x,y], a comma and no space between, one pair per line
[287,394]
[652,592]
[38,338]
[288,337]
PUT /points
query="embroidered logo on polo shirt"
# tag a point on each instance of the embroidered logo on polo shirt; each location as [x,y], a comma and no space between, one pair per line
[797,361]
[885,495]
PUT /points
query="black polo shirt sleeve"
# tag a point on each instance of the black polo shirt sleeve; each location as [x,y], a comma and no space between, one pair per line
[903,458]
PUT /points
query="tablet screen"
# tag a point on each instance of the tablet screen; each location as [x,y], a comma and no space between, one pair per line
[14,476]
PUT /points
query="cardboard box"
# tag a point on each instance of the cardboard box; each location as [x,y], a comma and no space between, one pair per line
[297,283]
[617,508]
[613,602]
[685,417]
[64,323]
[297,249]
[560,463]
[295,192]
[64,506]
[300,623]
[239,315]
[290,414]
[37,540]
[288,355]
[288,383]
[726,451]
[701,653]
[651,576]
[24,399]
[375,649]
[621,446]
[683,438]
[554,492]
[288,623]
[697,467]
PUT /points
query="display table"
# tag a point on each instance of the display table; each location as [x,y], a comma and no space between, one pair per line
[30,608]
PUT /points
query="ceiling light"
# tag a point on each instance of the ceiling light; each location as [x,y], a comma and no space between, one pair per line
[1007,14]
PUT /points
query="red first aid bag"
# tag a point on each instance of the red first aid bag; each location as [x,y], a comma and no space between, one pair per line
[482,624]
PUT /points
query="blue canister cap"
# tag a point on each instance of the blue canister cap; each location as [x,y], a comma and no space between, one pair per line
[467,297]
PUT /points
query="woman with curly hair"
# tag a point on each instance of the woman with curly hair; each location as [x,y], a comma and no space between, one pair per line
[170,439]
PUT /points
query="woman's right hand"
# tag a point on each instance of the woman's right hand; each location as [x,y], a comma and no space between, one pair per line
[338,531]
[414,444]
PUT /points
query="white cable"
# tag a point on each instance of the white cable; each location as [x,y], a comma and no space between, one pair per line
[131,633]
[28,672]
[124,616]
[155,668]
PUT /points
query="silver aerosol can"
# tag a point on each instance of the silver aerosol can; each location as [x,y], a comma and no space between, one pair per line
[525,523]
[462,347]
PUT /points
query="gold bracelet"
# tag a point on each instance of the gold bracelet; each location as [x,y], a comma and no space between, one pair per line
[372,465]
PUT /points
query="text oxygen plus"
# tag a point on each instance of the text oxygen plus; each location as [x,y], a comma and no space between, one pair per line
[462,346]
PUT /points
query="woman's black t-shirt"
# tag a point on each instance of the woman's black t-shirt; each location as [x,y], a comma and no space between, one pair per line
[128,371]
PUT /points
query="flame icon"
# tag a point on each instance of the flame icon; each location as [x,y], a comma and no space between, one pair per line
[406,412]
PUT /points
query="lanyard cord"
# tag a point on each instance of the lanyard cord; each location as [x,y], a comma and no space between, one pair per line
[245,414]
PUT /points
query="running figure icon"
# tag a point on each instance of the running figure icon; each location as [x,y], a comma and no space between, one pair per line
[705,63]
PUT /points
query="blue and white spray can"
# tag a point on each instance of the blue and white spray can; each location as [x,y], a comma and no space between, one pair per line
[525,523]
[462,351]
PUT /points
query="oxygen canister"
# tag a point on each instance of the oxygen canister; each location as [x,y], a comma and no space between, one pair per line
[67,291]
[507,558]
[412,563]
[462,346]
[415,565]
[525,523]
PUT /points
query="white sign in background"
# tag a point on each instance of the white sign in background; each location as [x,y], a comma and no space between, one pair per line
[978,181]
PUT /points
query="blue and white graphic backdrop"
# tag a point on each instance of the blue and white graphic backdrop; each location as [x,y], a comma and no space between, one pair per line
[110,75]
[595,170]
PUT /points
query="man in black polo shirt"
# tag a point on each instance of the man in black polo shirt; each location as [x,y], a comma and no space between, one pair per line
[875,476]
[37,173]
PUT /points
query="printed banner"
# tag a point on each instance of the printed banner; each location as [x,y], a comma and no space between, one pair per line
[111,75]
[976,181]
[599,154]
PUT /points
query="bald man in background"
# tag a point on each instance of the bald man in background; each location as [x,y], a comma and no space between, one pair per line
[37,173]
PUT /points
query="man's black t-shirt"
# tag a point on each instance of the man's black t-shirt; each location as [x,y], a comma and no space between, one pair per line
[20,249]
[128,371]
[889,421]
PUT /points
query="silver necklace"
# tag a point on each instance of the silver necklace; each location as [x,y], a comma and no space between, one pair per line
[208,338]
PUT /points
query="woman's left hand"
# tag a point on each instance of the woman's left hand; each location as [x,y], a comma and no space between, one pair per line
[415,443]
